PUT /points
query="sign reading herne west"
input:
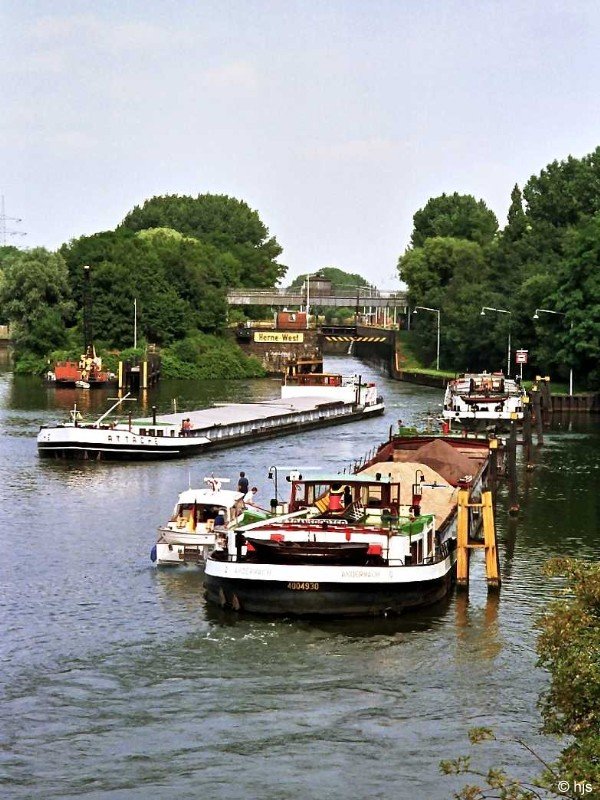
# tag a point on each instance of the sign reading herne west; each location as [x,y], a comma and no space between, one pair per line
[278,336]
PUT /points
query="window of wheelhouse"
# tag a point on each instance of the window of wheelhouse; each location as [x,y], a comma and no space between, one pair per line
[371,495]
[316,491]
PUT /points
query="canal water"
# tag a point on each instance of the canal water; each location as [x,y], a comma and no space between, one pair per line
[118,681]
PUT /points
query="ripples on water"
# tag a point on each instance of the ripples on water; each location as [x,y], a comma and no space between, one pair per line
[119,682]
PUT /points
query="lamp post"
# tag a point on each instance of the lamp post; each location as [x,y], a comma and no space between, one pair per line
[435,311]
[560,314]
[501,311]
[308,277]
[273,476]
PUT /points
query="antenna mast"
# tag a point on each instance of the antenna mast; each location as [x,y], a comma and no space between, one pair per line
[4,231]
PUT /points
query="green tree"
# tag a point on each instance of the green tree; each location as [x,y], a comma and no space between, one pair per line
[459,216]
[576,342]
[339,279]
[35,297]
[565,191]
[453,275]
[569,648]
[229,225]
[179,284]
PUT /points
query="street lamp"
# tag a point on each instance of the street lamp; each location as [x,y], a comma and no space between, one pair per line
[308,277]
[501,311]
[560,314]
[435,311]
[273,476]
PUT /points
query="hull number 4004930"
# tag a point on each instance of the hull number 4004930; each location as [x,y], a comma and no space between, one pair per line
[303,586]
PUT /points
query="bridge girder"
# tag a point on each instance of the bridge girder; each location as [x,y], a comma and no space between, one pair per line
[248,297]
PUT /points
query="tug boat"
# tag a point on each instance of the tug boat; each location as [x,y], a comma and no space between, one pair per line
[478,399]
[373,542]
[87,373]
[199,517]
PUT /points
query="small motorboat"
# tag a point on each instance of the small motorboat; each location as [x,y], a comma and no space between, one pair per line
[199,516]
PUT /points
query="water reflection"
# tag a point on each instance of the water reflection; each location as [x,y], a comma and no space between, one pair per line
[108,660]
[509,540]
[356,628]
[477,630]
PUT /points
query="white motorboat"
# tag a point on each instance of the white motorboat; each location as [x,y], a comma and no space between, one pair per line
[199,517]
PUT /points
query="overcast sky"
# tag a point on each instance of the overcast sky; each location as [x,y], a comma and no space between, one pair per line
[336,121]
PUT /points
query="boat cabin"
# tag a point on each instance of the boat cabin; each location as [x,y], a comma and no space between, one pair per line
[202,507]
[344,495]
[314,379]
[336,517]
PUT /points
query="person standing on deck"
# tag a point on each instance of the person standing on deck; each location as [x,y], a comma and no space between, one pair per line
[243,483]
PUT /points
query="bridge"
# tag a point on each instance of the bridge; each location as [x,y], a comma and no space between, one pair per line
[365,297]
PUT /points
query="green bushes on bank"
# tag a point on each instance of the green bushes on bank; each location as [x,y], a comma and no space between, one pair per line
[200,356]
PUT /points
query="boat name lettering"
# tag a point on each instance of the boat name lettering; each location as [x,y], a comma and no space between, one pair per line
[305,586]
[256,572]
[359,573]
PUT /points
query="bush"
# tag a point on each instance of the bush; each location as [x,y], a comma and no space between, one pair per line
[30,364]
[201,356]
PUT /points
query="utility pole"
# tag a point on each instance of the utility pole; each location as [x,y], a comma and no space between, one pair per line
[4,231]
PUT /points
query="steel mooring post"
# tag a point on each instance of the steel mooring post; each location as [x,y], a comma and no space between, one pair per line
[513,497]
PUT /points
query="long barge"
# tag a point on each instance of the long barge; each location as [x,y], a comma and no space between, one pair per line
[169,436]
[374,542]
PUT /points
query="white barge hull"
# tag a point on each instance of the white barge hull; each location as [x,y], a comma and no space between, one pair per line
[243,423]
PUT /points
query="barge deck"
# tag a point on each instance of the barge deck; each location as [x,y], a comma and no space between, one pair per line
[188,433]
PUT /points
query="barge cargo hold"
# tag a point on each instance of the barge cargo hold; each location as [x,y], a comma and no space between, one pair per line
[185,434]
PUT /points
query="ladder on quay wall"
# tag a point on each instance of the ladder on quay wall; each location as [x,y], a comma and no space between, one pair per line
[465,543]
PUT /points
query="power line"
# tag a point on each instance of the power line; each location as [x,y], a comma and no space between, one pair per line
[4,231]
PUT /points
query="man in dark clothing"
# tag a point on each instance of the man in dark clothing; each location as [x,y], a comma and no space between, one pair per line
[243,483]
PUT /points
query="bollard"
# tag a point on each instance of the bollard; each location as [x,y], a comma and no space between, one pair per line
[527,439]
[537,413]
[513,499]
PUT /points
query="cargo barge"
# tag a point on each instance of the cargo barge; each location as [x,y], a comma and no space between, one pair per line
[169,436]
[374,542]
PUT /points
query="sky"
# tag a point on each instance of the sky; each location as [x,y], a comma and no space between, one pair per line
[336,120]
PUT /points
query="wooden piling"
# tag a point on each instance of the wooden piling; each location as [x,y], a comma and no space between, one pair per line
[527,437]
[546,395]
[513,499]
[537,413]
[465,544]
[492,561]
[462,543]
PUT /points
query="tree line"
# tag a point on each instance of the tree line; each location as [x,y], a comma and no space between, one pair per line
[174,256]
[546,257]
